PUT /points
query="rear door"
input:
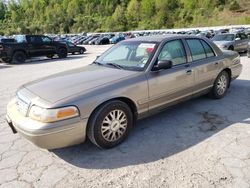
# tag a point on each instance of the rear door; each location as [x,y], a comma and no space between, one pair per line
[47,46]
[167,86]
[35,44]
[238,43]
[205,63]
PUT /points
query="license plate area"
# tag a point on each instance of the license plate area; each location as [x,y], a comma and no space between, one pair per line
[22,105]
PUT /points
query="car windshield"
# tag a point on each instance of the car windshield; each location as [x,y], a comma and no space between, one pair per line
[130,55]
[229,37]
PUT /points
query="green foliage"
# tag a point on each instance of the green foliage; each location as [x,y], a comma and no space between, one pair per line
[234,5]
[66,16]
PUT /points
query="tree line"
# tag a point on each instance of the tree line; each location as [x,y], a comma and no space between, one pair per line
[76,16]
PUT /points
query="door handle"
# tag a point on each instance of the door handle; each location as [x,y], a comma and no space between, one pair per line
[216,63]
[189,72]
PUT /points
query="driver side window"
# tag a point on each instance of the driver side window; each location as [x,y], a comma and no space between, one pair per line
[173,51]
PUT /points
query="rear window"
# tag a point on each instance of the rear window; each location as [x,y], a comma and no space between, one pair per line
[196,48]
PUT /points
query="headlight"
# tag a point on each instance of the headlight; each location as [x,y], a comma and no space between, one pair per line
[52,115]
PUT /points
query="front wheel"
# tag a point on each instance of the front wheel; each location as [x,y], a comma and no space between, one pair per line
[62,53]
[221,85]
[110,124]
[81,51]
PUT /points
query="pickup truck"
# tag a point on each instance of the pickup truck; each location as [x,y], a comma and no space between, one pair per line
[27,46]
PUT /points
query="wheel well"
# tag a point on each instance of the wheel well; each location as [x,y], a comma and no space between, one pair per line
[20,51]
[130,103]
[126,100]
[231,47]
[229,74]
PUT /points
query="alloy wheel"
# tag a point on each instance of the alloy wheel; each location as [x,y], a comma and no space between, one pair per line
[114,125]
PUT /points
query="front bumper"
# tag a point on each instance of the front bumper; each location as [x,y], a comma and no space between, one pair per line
[47,135]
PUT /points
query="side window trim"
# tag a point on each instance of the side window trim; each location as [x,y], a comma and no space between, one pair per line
[205,49]
[191,56]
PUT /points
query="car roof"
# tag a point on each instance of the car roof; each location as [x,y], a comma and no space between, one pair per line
[160,38]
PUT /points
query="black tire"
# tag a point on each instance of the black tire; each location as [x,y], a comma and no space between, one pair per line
[231,48]
[81,51]
[50,56]
[216,92]
[18,57]
[6,60]
[96,124]
[62,53]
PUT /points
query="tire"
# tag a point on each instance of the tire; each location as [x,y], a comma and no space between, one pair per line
[221,86]
[6,60]
[18,57]
[106,131]
[231,48]
[62,53]
[50,56]
[81,51]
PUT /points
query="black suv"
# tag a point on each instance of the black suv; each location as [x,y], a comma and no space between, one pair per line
[27,46]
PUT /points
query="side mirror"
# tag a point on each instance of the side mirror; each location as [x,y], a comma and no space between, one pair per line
[162,65]
[237,39]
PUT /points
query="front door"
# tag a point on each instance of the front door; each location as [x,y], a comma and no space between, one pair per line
[167,86]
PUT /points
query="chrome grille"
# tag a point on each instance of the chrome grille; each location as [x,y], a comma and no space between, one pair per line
[22,104]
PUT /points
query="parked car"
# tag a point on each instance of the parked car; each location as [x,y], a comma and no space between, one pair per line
[248,50]
[117,39]
[89,39]
[27,46]
[130,81]
[91,42]
[102,40]
[72,48]
[232,41]
[207,34]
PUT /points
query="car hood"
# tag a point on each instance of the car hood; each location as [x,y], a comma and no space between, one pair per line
[63,85]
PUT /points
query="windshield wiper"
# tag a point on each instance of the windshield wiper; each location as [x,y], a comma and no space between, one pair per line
[97,63]
[115,65]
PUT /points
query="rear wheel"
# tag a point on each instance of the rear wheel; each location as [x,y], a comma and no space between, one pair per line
[18,58]
[221,85]
[62,53]
[110,124]
[6,60]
